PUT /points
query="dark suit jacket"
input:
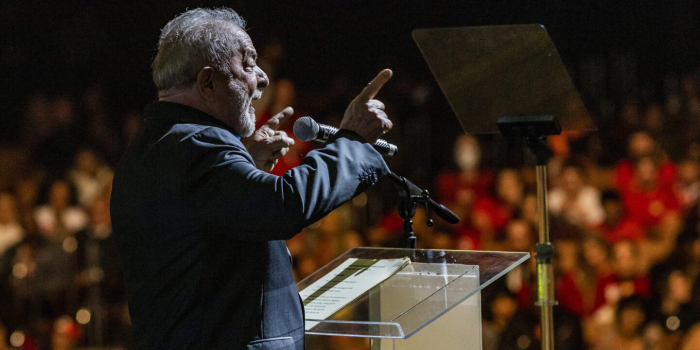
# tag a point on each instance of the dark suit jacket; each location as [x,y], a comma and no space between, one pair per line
[202,231]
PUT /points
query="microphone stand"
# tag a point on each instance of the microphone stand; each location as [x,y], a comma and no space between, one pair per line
[410,196]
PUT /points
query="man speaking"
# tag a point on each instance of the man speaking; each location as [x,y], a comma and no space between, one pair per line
[200,221]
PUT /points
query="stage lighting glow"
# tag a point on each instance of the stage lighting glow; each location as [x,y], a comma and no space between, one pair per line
[20,270]
[83,316]
[70,245]
[673,322]
[17,339]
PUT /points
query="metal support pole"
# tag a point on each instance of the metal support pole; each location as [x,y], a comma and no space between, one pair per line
[544,251]
[534,130]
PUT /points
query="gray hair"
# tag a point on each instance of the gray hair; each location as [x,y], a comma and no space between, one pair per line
[193,40]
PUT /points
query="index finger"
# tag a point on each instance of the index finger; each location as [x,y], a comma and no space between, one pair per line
[275,121]
[375,85]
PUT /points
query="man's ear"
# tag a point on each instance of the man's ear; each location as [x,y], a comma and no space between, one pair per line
[205,83]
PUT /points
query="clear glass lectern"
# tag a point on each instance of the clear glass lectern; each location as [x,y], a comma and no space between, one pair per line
[433,303]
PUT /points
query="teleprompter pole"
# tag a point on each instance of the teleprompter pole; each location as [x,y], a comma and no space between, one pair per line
[534,131]
[545,275]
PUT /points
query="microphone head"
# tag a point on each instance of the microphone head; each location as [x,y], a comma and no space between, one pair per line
[306,129]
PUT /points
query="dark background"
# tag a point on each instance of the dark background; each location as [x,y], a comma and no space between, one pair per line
[71,45]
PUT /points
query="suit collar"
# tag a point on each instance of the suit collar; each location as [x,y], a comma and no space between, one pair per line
[183,114]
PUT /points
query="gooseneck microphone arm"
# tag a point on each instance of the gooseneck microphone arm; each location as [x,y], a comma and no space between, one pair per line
[410,196]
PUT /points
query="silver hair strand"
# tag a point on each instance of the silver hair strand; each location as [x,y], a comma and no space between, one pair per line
[193,40]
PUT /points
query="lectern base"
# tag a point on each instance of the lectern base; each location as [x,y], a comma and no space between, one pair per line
[459,328]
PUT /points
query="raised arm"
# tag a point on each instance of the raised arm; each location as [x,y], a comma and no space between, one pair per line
[233,195]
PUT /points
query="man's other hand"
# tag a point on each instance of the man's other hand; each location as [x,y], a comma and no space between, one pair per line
[365,115]
[267,144]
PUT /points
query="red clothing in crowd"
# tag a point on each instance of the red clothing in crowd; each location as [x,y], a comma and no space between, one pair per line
[498,214]
[626,229]
[569,295]
[624,173]
[391,222]
[468,237]
[615,287]
[647,208]
[449,183]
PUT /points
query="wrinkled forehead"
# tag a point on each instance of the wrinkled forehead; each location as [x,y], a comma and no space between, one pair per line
[245,43]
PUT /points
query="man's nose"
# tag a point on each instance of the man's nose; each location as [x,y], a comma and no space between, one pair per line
[263,80]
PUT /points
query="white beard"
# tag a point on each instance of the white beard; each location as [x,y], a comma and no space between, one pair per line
[241,104]
[247,124]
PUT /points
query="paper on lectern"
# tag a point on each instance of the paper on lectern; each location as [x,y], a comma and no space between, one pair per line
[344,284]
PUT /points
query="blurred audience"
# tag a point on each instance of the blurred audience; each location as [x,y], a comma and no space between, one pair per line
[624,202]
[574,200]
[60,218]
[11,231]
[617,225]
[89,176]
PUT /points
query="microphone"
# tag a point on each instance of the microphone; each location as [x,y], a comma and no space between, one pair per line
[307,129]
